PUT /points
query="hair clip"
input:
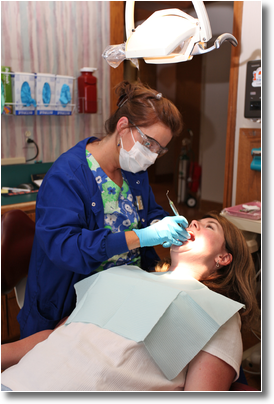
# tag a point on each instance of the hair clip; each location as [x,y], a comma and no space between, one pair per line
[159,95]
[122,100]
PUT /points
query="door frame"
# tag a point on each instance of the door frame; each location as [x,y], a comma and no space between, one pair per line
[117,29]
[232,104]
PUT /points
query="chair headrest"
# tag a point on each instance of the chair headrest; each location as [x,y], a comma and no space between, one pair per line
[17,233]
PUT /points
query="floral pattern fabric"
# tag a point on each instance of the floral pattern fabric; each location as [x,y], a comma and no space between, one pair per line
[119,211]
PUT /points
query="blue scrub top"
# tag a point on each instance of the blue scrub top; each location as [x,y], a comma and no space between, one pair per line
[71,240]
[120,212]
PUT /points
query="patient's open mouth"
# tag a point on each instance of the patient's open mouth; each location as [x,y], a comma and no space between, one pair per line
[192,237]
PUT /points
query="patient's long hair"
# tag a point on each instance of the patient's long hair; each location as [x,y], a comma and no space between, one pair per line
[237,279]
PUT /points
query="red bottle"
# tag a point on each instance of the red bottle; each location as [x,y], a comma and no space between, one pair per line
[87,91]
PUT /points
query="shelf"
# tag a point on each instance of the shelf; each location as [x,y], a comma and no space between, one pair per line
[253,226]
[54,105]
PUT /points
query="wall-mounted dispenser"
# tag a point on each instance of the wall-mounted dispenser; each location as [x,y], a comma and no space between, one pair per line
[256,159]
[253,90]
[23,91]
[45,94]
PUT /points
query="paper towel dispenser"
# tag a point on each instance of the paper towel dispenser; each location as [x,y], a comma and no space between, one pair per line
[253,90]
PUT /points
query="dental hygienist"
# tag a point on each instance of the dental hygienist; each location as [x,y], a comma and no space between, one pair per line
[95,208]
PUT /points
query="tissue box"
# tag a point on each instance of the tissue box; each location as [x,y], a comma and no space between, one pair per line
[45,94]
[6,80]
[61,109]
[18,79]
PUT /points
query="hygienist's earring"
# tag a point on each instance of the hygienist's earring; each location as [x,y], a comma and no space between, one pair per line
[217,264]
[118,144]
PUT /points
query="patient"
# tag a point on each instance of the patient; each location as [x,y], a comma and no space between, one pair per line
[82,356]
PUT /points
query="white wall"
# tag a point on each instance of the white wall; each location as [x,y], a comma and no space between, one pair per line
[250,50]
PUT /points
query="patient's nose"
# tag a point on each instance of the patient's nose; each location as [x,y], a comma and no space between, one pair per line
[194,224]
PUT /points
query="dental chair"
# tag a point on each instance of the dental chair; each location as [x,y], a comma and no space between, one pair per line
[17,233]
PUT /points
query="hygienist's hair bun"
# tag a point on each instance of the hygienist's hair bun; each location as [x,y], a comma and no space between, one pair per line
[144,107]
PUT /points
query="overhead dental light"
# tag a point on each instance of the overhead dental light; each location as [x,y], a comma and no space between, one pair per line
[167,36]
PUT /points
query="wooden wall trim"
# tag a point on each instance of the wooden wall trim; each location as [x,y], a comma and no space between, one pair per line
[232,104]
[117,28]
[248,181]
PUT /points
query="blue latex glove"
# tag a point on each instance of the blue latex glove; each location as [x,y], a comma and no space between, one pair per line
[46,94]
[26,95]
[166,232]
[65,96]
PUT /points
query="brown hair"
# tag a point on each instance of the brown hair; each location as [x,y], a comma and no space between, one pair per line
[144,106]
[237,279]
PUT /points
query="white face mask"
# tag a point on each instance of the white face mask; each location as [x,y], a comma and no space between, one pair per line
[138,158]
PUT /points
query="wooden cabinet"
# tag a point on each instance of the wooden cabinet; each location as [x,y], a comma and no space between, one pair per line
[28,208]
[248,181]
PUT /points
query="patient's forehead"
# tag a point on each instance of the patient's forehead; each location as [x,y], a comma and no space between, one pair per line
[211,220]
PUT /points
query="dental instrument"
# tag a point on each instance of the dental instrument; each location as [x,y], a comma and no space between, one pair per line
[173,207]
[176,213]
[167,36]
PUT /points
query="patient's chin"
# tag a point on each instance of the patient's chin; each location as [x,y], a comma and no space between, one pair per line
[186,246]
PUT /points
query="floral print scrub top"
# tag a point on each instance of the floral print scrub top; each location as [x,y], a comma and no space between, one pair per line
[119,211]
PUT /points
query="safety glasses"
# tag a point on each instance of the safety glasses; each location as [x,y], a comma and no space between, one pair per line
[151,143]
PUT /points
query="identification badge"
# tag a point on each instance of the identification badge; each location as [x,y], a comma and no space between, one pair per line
[139,201]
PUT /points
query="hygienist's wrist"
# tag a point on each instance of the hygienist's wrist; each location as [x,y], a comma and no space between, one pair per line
[116,244]
[132,239]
